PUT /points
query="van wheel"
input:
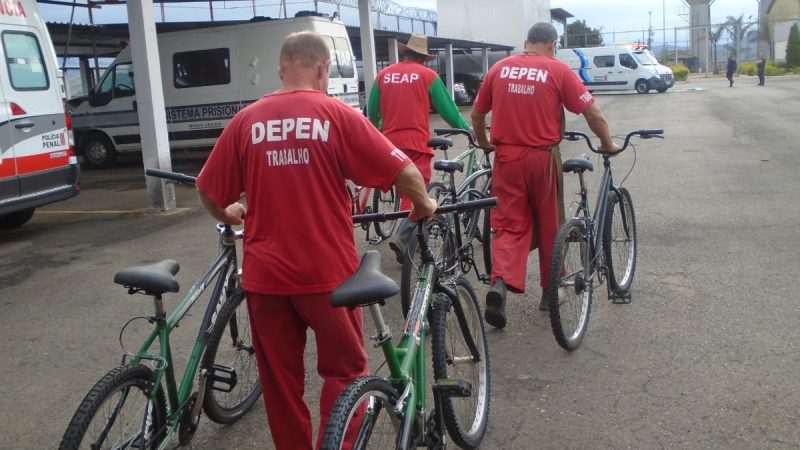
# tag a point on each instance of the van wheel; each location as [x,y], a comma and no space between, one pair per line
[98,152]
[642,87]
[16,219]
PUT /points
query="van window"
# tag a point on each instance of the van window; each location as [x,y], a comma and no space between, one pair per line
[346,65]
[201,68]
[341,59]
[123,81]
[626,60]
[26,67]
[604,61]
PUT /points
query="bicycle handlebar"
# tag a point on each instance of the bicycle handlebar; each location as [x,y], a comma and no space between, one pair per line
[459,207]
[173,176]
[452,131]
[644,134]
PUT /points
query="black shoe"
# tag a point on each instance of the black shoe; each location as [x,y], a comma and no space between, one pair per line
[544,305]
[398,252]
[496,305]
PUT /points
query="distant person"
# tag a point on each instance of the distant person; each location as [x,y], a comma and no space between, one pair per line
[400,104]
[731,69]
[290,152]
[525,94]
[761,63]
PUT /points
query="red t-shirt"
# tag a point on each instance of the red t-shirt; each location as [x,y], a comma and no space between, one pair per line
[525,93]
[290,152]
[406,104]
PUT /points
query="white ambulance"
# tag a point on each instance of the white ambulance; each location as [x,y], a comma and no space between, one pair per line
[37,164]
[208,75]
[618,68]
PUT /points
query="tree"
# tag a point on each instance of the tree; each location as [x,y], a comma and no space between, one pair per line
[793,47]
[581,35]
[713,37]
[738,29]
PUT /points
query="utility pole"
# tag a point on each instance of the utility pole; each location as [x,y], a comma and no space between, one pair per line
[649,29]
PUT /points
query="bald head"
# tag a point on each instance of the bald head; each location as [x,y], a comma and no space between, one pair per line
[304,49]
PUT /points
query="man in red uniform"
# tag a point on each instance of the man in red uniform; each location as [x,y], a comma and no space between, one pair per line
[400,104]
[290,153]
[526,93]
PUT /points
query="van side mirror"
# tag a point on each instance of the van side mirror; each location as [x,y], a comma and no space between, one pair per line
[98,99]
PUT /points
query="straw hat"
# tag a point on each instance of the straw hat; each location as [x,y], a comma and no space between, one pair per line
[417,43]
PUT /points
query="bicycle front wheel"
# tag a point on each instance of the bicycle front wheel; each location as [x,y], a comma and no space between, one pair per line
[619,240]
[465,417]
[385,202]
[232,386]
[363,416]
[117,413]
[441,241]
[569,293]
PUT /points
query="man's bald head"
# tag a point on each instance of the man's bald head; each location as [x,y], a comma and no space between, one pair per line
[304,49]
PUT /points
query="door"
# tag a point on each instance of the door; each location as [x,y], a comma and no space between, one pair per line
[627,69]
[9,185]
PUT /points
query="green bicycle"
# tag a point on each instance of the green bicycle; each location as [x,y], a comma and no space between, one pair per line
[392,412]
[140,404]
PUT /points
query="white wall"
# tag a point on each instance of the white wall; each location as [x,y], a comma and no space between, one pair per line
[498,22]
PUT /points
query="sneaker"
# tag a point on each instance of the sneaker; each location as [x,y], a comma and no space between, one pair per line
[496,305]
[398,252]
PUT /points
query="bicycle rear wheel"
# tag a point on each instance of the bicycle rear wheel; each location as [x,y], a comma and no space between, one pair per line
[363,416]
[233,385]
[569,293]
[385,202]
[619,240]
[465,417]
[118,413]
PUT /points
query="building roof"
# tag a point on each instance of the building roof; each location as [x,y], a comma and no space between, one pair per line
[108,39]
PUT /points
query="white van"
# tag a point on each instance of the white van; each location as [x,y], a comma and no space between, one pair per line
[208,75]
[618,68]
[37,163]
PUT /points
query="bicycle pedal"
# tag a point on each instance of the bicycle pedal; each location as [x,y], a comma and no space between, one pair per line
[375,240]
[222,378]
[484,278]
[620,297]
[452,387]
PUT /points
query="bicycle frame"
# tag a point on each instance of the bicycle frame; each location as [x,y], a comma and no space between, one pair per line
[178,394]
[406,360]
[595,225]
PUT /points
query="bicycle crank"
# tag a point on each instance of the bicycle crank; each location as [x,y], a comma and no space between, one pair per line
[189,420]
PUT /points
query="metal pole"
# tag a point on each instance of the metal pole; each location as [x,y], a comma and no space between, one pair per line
[367,45]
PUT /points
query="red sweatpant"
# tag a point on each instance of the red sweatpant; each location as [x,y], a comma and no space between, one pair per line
[423,163]
[279,325]
[526,191]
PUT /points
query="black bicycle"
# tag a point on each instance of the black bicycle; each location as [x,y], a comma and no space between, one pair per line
[590,247]
[453,238]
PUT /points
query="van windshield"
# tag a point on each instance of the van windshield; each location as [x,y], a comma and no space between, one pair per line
[645,58]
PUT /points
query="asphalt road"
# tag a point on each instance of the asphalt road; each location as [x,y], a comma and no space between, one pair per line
[705,356]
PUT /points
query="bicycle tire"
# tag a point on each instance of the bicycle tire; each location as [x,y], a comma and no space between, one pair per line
[465,417]
[385,202]
[569,294]
[230,345]
[380,431]
[409,270]
[91,417]
[619,240]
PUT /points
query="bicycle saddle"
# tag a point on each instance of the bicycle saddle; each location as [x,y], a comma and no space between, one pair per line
[449,166]
[577,165]
[440,143]
[368,285]
[152,279]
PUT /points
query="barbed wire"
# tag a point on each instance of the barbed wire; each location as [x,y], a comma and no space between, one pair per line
[392,8]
